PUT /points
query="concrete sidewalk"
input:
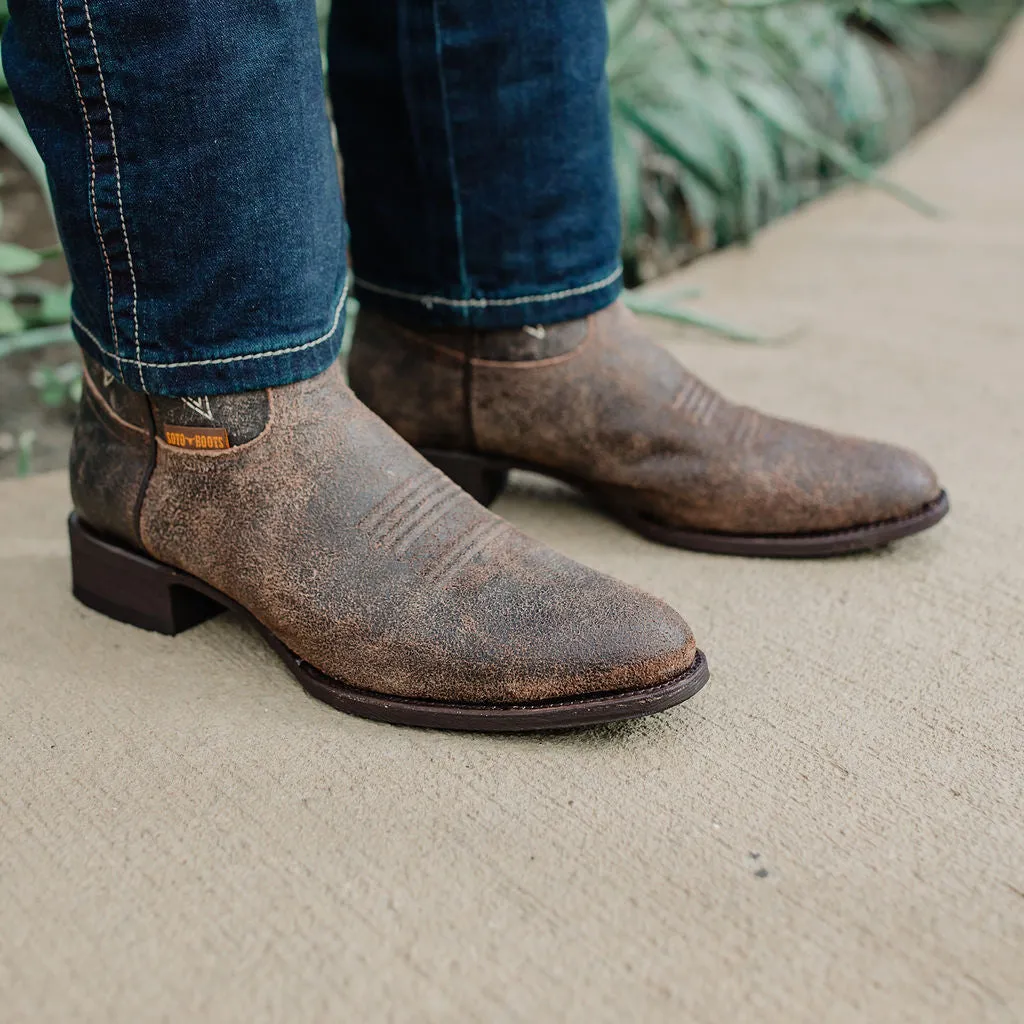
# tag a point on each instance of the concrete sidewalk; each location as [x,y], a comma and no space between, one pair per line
[833,830]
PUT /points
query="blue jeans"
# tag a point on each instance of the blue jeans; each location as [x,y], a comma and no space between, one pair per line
[196,188]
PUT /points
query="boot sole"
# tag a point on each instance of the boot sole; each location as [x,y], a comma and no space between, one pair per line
[484,477]
[131,587]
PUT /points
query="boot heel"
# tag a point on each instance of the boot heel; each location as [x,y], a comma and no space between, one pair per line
[132,588]
[483,478]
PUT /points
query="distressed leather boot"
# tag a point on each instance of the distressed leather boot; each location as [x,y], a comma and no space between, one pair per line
[596,404]
[386,589]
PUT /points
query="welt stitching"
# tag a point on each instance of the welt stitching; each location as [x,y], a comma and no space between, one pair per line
[440,300]
[226,359]
[120,202]
[92,180]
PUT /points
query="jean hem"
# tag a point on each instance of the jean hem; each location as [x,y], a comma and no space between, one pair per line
[221,375]
[493,311]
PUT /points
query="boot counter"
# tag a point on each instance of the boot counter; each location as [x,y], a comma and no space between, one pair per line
[415,386]
[111,459]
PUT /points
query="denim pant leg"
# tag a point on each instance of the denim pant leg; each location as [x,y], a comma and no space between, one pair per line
[194,183]
[477,156]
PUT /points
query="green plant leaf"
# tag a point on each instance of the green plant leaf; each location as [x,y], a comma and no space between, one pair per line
[649,307]
[38,337]
[54,307]
[16,259]
[16,138]
[11,321]
[628,169]
[25,441]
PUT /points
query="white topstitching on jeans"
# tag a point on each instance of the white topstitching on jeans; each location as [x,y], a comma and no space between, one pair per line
[225,359]
[120,203]
[440,300]
[92,178]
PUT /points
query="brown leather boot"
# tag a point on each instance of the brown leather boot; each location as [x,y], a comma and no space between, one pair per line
[385,588]
[598,405]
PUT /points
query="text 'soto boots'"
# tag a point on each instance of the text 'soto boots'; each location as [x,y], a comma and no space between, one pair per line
[597,404]
[387,590]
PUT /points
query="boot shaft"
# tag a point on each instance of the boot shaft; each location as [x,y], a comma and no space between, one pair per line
[114,447]
[113,451]
[421,382]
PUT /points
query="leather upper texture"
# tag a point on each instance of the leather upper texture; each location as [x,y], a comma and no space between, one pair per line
[620,415]
[371,565]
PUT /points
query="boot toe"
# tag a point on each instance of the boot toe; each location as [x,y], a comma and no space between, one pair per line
[576,632]
[618,639]
[827,482]
[906,484]
[561,631]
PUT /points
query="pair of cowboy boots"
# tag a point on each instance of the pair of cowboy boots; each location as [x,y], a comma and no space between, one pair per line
[386,588]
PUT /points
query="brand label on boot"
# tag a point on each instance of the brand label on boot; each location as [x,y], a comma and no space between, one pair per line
[197,438]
